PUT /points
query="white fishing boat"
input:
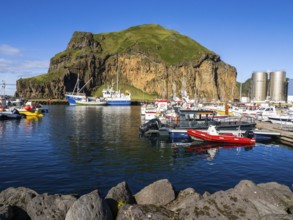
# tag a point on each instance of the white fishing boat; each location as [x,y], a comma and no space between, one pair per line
[116,97]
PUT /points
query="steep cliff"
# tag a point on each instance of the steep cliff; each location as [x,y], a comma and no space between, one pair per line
[148,57]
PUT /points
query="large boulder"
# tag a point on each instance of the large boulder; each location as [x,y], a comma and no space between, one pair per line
[130,212]
[46,207]
[159,193]
[17,196]
[185,199]
[6,212]
[245,201]
[119,195]
[17,199]
[90,207]
[270,198]
[220,205]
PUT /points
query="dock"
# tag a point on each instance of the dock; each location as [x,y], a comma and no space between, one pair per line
[286,134]
[49,101]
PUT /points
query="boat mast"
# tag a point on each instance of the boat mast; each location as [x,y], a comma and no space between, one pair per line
[240,95]
[76,85]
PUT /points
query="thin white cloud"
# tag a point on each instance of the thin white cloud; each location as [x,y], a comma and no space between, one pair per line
[25,68]
[6,49]
[35,64]
[5,65]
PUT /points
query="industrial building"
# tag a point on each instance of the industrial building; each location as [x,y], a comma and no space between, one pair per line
[290,91]
[259,86]
[274,88]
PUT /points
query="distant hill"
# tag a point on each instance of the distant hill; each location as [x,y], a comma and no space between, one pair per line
[148,57]
[154,41]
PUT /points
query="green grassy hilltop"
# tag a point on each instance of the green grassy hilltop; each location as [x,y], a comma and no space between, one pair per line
[155,41]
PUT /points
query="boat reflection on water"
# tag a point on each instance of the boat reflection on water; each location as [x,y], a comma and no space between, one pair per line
[186,149]
[30,119]
[208,149]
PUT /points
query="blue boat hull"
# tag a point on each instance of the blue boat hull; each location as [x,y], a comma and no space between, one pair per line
[71,99]
[118,102]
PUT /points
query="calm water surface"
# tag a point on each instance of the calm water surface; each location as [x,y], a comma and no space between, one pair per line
[79,149]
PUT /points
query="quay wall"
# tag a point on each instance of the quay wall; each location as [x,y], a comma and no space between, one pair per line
[286,136]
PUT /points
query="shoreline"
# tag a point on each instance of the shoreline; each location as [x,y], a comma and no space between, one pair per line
[158,200]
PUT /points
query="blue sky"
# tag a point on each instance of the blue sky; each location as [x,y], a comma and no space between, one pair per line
[251,35]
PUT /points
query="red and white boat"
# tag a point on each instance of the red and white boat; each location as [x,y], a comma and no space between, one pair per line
[212,135]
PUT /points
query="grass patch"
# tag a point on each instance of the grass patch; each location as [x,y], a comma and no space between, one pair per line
[155,41]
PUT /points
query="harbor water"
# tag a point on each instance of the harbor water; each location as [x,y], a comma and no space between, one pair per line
[76,149]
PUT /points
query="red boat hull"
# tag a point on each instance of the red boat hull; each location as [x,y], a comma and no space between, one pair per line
[221,138]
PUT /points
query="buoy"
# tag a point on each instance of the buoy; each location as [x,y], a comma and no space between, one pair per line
[28,108]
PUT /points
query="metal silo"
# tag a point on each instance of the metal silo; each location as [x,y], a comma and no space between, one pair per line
[278,86]
[259,86]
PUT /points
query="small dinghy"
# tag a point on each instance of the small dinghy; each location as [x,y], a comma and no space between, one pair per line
[212,135]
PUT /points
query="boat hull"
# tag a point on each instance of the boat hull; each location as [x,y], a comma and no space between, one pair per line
[282,120]
[72,98]
[223,138]
[37,112]
[118,102]
[9,115]
[90,103]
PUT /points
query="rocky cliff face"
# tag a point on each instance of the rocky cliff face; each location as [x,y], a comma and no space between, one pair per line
[206,78]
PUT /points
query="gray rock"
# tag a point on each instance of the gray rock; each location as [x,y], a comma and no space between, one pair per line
[118,196]
[277,217]
[220,205]
[6,212]
[279,191]
[206,194]
[245,201]
[266,198]
[159,193]
[151,212]
[89,207]
[290,210]
[17,196]
[185,199]
[18,199]
[49,206]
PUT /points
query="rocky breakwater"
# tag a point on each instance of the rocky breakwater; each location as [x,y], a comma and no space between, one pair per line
[246,200]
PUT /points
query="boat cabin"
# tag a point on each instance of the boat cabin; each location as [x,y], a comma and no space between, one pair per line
[193,118]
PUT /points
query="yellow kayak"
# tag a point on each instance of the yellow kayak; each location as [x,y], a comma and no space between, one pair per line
[36,112]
